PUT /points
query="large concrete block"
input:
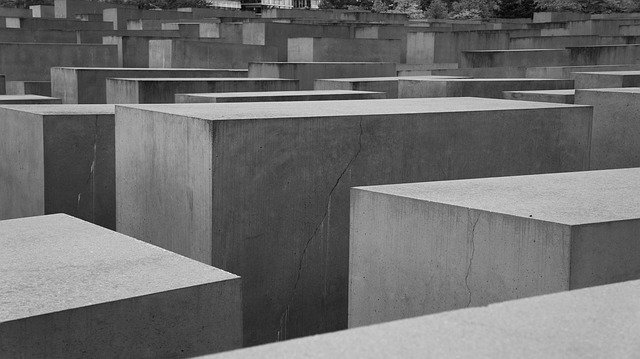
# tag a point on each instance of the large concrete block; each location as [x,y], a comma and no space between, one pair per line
[556,96]
[595,322]
[163,90]
[316,49]
[262,189]
[42,88]
[58,158]
[120,15]
[89,84]
[56,24]
[605,54]
[49,36]
[32,62]
[133,51]
[566,72]
[46,11]
[483,72]
[446,46]
[194,53]
[70,8]
[558,42]
[388,85]
[424,248]
[28,99]
[271,96]
[308,72]
[492,88]
[606,79]
[515,58]
[615,137]
[71,289]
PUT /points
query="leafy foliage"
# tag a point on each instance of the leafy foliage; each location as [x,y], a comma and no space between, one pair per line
[511,9]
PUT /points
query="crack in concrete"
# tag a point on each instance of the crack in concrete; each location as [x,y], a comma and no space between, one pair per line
[285,315]
[473,252]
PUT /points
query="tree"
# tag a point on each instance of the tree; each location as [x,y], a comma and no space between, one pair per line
[378,6]
[473,9]
[511,9]
[437,10]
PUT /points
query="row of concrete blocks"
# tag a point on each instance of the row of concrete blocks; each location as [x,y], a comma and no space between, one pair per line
[261,190]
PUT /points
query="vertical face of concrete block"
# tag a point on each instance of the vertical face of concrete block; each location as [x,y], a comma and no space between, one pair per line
[420,48]
[280,217]
[429,247]
[72,289]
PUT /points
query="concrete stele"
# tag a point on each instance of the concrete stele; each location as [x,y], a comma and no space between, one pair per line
[556,96]
[278,96]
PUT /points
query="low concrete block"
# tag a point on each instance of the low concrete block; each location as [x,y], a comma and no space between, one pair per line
[28,99]
[58,159]
[492,88]
[164,90]
[308,72]
[42,11]
[272,96]
[598,322]
[604,54]
[515,58]
[615,137]
[566,72]
[262,189]
[606,79]
[556,96]
[201,54]
[42,88]
[316,49]
[424,248]
[71,289]
[88,84]
[388,85]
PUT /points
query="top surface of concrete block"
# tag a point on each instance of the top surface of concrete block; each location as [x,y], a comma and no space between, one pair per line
[279,93]
[568,198]
[611,73]
[141,69]
[547,92]
[595,322]
[57,262]
[321,63]
[629,90]
[197,79]
[342,108]
[64,109]
[463,79]
[392,78]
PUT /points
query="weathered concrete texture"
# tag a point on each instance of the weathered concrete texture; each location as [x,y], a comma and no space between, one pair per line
[446,46]
[483,72]
[70,8]
[163,90]
[558,42]
[15,12]
[605,55]
[119,15]
[32,62]
[262,189]
[565,72]
[47,11]
[133,51]
[424,248]
[71,289]
[596,322]
[27,99]
[606,79]
[192,53]
[57,24]
[47,36]
[279,96]
[492,88]
[58,158]
[556,96]
[615,138]
[88,84]
[388,85]
[42,88]
[276,34]
[308,72]
[316,49]
[515,58]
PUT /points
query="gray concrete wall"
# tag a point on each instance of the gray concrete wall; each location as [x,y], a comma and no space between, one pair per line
[491,88]
[318,95]
[310,49]
[280,176]
[516,58]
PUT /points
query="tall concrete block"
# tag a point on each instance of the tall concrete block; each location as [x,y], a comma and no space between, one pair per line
[274,96]
[307,72]
[262,189]
[615,138]
[605,54]
[446,46]
[455,87]
[193,53]
[71,289]
[42,88]
[163,90]
[599,322]
[133,51]
[315,49]
[424,248]
[32,62]
[89,84]
[47,11]
[58,159]
[606,79]
[515,58]
[68,9]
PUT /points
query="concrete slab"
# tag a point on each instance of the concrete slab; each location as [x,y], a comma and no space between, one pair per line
[163,90]
[388,85]
[262,189]
[424,248]
[279,96]
[598,322]
[89,84]
[58,159]
[42,88]
[72,289]
[492,88]
[605,55]
[195,53]
[446,46]
[615,138]
[133,51]
[308,72]
[515,58]
[317,49]
[32,62]
[606,79]
[42,11]
[27,99]
[565,72]
[556,96]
